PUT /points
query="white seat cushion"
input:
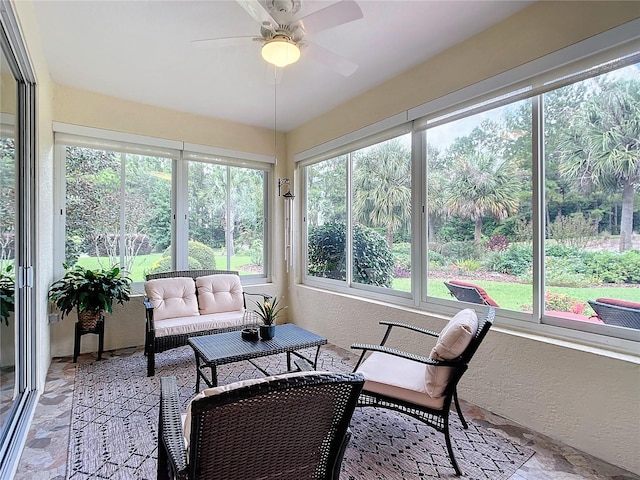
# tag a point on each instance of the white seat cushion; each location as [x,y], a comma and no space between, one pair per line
[198,323]
[219,293]
[172,297]
[398,378]
[454,338]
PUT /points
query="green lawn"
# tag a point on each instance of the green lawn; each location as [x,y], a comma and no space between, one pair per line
[144,263]
[512,296]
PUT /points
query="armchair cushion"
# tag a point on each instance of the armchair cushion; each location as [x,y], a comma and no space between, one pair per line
[454,338]
[219,293]
[619,303]
[172,297]
[381,373]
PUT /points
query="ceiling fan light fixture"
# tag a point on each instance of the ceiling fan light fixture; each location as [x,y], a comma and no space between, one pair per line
[280,51]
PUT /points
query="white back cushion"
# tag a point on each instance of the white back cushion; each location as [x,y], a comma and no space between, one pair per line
[219,293]
[172,297]
[454,338]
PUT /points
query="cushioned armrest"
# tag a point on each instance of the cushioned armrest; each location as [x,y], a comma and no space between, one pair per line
[171,435]
[410,327]
[407,355]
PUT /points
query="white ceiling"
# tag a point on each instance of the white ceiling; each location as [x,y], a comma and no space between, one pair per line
[142,51]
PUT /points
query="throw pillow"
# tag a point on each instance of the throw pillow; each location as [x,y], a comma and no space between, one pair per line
[454,338]
[172,297]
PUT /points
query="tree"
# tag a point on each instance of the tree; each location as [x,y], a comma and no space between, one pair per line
[382,187]
[482,185]
[602,147]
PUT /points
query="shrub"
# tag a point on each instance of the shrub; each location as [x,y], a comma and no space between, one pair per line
[613,267]
[566,272]
[515,260]
[372,258]
[203,254]
[461,250]
[402,256]
[467,265]
[497,243]
[436,259]
[561,302]
[559,250]
[164,265]
[256,252]
[574,231]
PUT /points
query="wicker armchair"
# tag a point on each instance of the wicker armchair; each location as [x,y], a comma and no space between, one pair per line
[396,380]
[289,427]
[154,344]
[620,313]
[469,292]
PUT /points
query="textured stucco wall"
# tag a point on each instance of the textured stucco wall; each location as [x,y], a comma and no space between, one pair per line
[583,398]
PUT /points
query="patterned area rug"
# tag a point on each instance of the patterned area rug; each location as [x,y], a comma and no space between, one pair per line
[115,418]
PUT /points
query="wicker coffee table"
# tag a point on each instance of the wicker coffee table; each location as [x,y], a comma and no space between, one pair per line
[221,348]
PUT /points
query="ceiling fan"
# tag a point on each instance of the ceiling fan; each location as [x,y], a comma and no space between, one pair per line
[283,33]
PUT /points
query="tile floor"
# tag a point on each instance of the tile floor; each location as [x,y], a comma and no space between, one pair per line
[45,452]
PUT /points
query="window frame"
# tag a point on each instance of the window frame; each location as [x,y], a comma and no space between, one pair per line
[530,81]
[180,154]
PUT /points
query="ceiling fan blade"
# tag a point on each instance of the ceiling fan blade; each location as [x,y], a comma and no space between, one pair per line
[330,59]
[222,42]
[258,12]
[342,12]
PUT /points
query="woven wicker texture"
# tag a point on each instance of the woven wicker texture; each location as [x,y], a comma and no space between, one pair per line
[115,419]
[616,315]
[293,440]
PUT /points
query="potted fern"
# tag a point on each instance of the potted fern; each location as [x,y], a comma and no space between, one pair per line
[91,292]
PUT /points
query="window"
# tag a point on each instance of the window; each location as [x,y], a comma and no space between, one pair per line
[529,197]
[363,238]
[118,209]
[18,358]
[226,216]
[479,204]
[154,207]
[592,174]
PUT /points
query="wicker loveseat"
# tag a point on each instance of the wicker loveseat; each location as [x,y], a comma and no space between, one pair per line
[187,303]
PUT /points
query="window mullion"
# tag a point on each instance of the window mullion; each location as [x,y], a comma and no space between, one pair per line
[349,226]
[123,224]
[538,176]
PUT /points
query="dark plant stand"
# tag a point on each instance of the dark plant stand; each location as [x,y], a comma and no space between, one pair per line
[99,330]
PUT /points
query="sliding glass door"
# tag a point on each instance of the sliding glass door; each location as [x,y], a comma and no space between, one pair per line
[17,202]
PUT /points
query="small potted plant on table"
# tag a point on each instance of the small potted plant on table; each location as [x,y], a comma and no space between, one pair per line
[91,292]
[268,311]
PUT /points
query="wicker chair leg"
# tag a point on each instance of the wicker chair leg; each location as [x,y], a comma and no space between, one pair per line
[151,363]
[455,400]
[450,448]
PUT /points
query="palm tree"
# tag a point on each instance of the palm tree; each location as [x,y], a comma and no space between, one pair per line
[482,185]
[602,147]
[382,187]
